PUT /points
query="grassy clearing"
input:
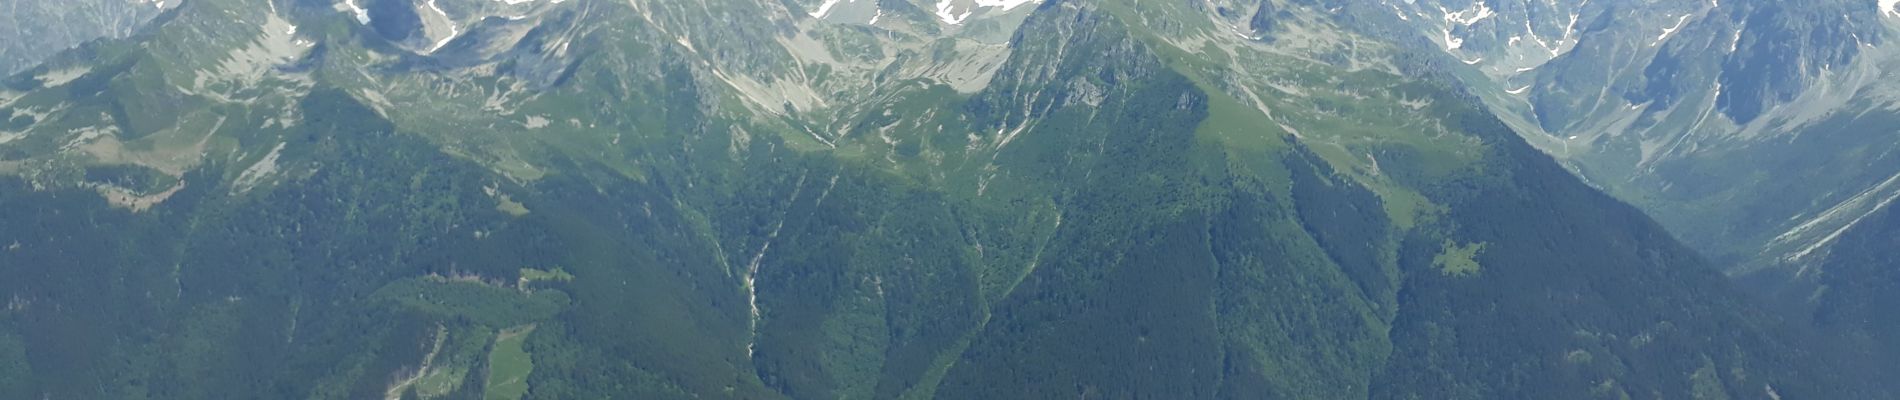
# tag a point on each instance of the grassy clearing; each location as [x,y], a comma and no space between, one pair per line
[440,381]
[555,274]
[1458,260]
[509,205]
[509,365]
[473,301]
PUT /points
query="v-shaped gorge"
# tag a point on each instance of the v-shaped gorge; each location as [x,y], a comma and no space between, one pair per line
[842,199]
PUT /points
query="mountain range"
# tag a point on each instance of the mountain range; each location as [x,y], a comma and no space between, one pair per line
[1759,132]
[793,199]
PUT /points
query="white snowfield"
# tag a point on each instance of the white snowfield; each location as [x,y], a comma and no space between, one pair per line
[825,9]
[947,9]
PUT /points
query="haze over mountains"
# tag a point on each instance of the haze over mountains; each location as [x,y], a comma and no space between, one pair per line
[795,199]
[38,29]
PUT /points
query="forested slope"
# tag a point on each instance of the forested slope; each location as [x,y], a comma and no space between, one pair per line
[1134,203]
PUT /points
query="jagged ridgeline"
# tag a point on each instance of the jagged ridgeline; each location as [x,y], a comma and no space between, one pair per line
[822,199]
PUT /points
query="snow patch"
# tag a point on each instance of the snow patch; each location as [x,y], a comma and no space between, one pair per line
[944,12]
[1465,18]
[826,8]
[1890,8]
[1672,30]
[362,15]
[947,9]
[1540,40]
[454,30]
[1477,14]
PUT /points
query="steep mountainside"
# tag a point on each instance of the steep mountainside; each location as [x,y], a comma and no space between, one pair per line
[35,30]
[564,199]
[1756,130]
[1761,132]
